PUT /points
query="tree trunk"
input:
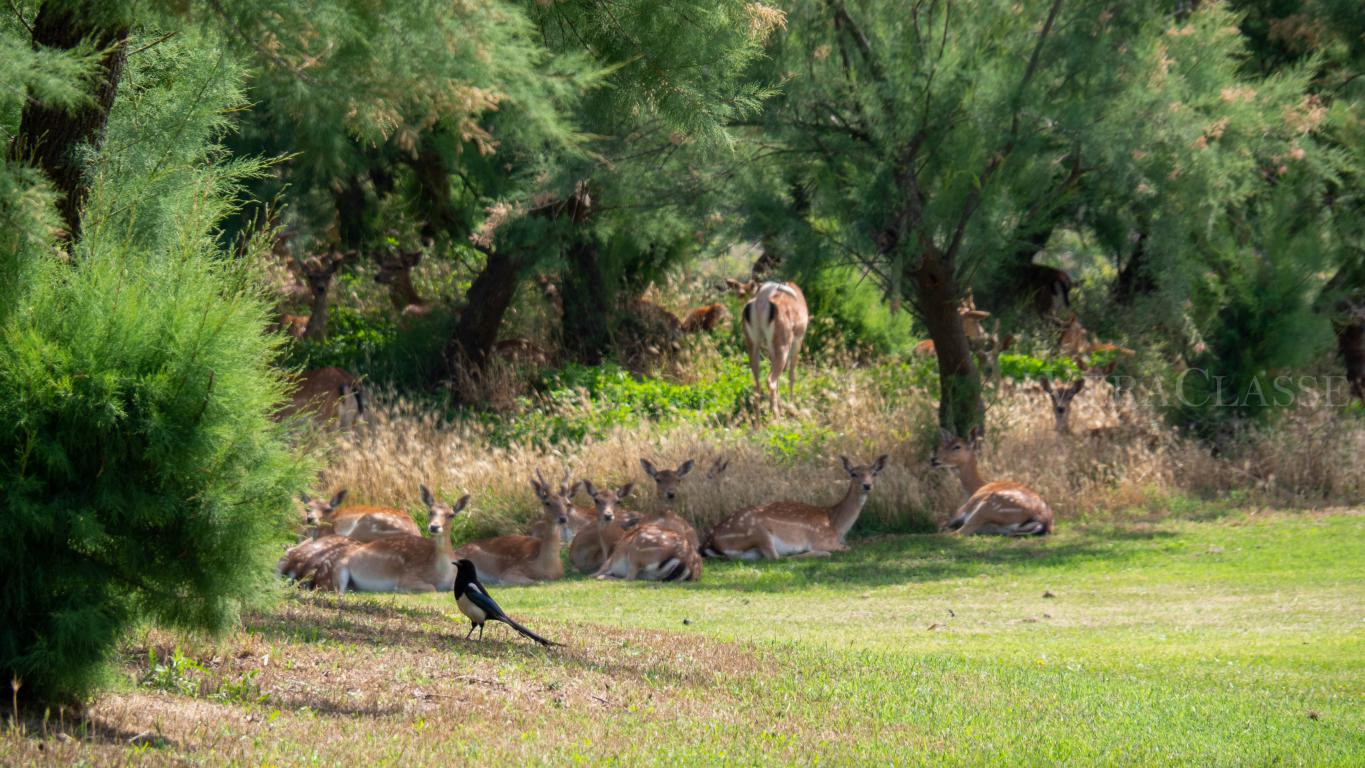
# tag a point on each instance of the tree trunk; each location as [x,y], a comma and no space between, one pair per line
[487,301]
[959,405]
[51,137]
[1351,343]
[587,303]
[1134,278]
[433,192]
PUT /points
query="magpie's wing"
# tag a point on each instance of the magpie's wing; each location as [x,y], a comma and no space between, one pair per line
[480,597]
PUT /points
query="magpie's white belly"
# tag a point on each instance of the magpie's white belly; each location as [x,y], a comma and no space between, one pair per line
[474,612]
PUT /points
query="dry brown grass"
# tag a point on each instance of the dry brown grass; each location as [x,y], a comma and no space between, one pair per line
[332,681]
[1306,459]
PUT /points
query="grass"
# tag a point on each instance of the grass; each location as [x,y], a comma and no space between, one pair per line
[1234,640]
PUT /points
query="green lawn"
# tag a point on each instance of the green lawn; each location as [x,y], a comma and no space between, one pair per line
[1239,641]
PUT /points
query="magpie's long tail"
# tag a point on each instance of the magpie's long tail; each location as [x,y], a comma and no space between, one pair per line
[523,630]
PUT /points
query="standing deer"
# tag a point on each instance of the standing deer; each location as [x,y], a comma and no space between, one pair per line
[360,522]
[774,326]
[593,543]
[1002,507]
[518,559]
[792,528]
[330,395]
[1061,398]
[395,271]
[318,271]
[405,563]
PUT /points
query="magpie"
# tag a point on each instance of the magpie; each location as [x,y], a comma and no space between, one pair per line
[479,606]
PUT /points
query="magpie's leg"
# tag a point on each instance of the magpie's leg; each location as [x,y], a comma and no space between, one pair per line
[481,633]
[470,633]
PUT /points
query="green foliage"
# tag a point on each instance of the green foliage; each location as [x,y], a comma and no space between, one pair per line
[582,402]
[140,472]
[1028,368]
[848,312]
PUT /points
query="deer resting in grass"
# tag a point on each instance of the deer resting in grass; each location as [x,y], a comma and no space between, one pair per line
[1003,507]
[518,559]
[359,522]
[652,552]
[560,499]
[313,561]
[774,325]
[405,563]
[592,544]
[792,528]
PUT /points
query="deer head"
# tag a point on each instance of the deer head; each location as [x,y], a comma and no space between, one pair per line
[440,514]
[667,481]
[317,511]
[864,475]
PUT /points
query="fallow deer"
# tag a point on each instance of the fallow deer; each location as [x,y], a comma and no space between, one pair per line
[313,560]
[774,326]
[318,271]
[667,483]
[971,327]
[1002,507]
[359,522]
[395,271]
[330,395]
[653,553]
[561,500]
[1061,398]
[592,544]
[793,528]
[1050,288]
[518,559]
[705,319]
[1076,343]
[405,563]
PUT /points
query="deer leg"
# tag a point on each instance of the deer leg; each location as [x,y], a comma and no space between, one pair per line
[791,365]
[766,547]
[632,569]
[779,362]
[755,366]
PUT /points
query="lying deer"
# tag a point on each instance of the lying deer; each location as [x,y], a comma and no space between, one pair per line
[313,561]
[1002,507]
[561,499]
[330,395]
[654,553]
[405,563]
[592,544]
[774,326]
[518,559]
[664,546]
[361,522]
[1075,342]
[792,528]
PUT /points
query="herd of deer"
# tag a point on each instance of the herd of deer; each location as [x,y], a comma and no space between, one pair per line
[379,549]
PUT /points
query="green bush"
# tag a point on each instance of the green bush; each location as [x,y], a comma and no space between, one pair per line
[141,474]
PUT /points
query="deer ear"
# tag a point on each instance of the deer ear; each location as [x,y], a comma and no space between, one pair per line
[1045,384]
[974,436]
[945,436]
[648,467]
[573,489]
[1078,386]
[847,466]
[625,490]
[718,468]
[426,496]
[536,486]
[462,503]
[880,463]
[303,497]
[587,486]
[685,468]
[337,499]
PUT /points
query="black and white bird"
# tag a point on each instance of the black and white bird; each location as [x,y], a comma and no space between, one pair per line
[479,606]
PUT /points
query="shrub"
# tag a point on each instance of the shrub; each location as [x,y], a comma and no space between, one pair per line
[141,476]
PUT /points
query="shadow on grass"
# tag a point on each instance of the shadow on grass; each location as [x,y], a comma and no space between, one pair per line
[901,559]
[332,624]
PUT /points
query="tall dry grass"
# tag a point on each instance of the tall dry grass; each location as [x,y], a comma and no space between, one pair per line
[1138,467]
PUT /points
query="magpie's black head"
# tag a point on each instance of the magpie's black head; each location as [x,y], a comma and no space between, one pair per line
[464,571]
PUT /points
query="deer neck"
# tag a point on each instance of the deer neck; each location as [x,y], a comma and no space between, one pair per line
[970,477]
[607,534]
[549,535]
[844,514]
